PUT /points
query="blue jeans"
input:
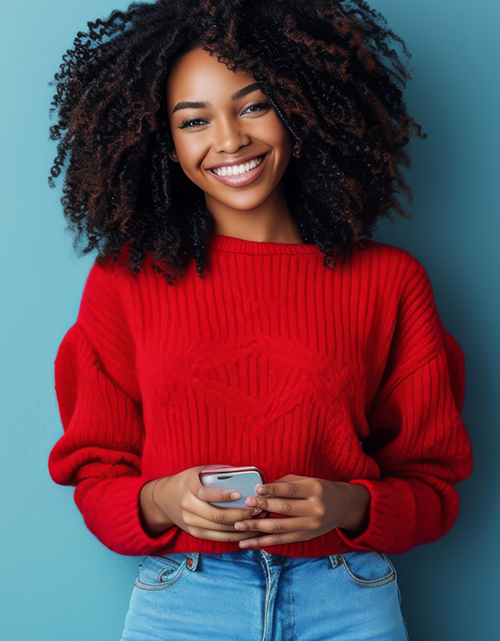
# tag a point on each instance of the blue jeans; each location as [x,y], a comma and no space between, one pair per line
[255,596]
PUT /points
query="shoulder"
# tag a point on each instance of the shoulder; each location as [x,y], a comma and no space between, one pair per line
[390,268]
[112,284]
[387,255]
[110,296]
[103,334]
[111,271]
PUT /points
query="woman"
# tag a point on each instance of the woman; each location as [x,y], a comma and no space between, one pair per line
[229,160]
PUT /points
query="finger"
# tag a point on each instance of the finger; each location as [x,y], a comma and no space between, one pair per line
[288,507]
[225,516]
[216,494]
[217,515]
[277,526]
[289,490]
[196,521]
[222,536]
[259,542]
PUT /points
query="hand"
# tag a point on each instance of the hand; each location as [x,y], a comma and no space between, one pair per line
[311,507]
[182,500]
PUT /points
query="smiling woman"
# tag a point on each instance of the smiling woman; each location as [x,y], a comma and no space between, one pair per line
[329,71]
[232,144]
[228,159]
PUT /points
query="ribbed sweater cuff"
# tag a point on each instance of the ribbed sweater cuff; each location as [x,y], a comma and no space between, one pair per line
[385,530]
[111,511]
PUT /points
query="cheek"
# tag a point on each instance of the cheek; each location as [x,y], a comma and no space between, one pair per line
[190,154]
[285,146]
[283,141]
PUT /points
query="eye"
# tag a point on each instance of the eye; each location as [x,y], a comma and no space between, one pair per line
[255,107]
[192,123]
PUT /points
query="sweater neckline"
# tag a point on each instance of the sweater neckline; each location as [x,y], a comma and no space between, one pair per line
[240,246]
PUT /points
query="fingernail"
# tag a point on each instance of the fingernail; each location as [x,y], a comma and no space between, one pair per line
[250,501]
[257,510]
[239,526]
[235,495]
[245,544]
[259,489]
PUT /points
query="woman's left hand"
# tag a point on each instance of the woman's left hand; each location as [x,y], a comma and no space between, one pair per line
[310,507]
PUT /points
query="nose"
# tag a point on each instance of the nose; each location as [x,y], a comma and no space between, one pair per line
[230,135]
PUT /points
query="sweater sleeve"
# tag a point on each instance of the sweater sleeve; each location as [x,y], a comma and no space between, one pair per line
[417,436]
[100,406]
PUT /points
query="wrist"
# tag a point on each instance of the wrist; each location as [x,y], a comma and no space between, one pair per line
[154,517]
[356,516]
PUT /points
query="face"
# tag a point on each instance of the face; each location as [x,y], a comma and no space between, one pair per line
[228,138]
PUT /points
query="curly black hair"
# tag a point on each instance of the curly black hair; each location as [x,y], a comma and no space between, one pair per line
[330,69]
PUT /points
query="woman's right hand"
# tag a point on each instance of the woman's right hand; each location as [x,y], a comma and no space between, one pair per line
[182,500]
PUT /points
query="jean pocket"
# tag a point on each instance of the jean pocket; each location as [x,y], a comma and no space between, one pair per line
[368,569]
[160,572]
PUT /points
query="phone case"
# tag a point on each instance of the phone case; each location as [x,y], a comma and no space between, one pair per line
[243,479]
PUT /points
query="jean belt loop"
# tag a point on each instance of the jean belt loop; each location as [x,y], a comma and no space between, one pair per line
[335,560]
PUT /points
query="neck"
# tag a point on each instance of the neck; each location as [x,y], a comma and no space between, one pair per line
[271,222]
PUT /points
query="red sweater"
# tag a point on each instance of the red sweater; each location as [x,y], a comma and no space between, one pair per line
[270,359]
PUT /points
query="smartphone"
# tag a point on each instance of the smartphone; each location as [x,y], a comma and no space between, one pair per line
[243,479]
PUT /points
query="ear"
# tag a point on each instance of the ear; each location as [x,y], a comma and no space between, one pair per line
[173,156]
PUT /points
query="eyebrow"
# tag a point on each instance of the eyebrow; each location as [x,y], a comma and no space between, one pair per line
[241,93]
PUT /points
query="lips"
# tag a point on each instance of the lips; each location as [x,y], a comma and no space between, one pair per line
[247,171]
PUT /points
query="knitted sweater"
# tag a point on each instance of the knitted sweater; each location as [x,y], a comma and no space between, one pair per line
[269,359]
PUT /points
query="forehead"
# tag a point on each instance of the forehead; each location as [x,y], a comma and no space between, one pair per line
[197,75]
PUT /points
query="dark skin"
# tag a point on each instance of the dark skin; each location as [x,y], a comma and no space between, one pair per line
[310,507]
[215,124]
[220,118]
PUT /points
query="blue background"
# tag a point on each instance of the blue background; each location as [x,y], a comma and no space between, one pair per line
[58,582]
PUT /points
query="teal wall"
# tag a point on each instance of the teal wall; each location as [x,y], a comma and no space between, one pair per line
[58,582]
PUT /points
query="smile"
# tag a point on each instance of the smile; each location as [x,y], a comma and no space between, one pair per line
[240,175]
[237,170]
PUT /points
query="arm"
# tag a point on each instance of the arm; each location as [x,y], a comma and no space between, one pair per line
[417,436]
[100,451]
[425,454]
[99,400]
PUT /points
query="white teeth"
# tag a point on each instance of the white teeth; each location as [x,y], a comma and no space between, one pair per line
[237,170]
